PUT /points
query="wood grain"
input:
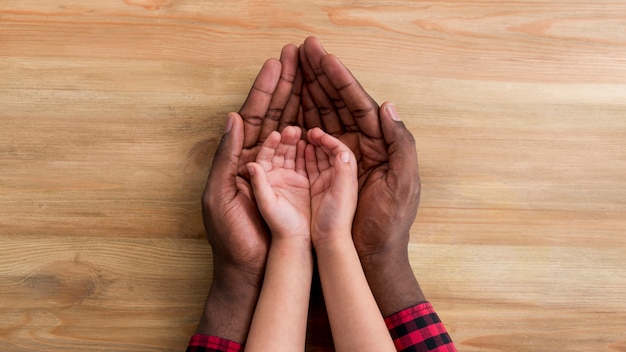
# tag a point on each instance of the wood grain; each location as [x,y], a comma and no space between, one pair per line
[110,113]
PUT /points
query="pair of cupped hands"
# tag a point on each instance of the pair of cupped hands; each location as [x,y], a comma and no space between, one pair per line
[305,189]
[304,116]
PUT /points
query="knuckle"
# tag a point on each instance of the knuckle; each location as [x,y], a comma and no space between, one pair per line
[362,112]
[288,77]
[274,114]
[326,110]
[253,120]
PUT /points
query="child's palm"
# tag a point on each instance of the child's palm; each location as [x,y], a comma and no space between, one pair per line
[325,204]
[289,210]
[280,183]
[332,173]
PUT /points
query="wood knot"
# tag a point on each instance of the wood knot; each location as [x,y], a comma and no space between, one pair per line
[64,283]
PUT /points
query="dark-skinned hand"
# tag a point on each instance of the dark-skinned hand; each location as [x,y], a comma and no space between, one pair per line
[389,184]
[238,236]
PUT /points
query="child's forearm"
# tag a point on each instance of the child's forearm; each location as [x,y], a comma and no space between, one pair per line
[356,321]
[280,318]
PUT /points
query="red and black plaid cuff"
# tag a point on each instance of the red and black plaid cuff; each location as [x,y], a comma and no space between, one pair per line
[415,329]
[418,328]
[207,343]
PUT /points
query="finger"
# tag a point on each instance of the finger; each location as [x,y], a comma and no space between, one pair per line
[300,158]
[226,159]
[263,192]
[343,162]
[361,106]
[329,144]
[335,116]
[314,137]
[323,160]
[287,148]
[289,160]
[292,109]
[305,65]
[265,156]
[310,159]
[402,151]
[283,92]
[311,53]
[310,114]
[346,171]
[257,104]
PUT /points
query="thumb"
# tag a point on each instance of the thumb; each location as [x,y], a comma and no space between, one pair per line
[226,159]
[263,192]
[400,141]
[346,166]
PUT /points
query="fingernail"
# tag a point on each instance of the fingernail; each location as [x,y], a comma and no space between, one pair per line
[391,110]
[345,157]
[229,124]
[250,170]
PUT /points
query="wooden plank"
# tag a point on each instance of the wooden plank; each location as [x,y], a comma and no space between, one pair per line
[101,293]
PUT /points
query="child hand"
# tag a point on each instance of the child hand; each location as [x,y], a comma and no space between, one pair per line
[280,184]
[332,169]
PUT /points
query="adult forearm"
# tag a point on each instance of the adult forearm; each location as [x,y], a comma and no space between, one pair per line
[391,279]
[230,305]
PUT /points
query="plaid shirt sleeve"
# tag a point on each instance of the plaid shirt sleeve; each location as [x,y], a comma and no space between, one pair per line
[418,329]
[207,343]
[415,329]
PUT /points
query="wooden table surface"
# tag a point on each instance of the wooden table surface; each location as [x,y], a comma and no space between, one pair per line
[110,112]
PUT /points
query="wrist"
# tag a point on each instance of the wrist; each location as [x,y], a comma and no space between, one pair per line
[300,241]
[230,304]
[391,279]
[291,250]
[322,240]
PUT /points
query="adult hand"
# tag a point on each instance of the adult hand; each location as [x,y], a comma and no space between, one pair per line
[389,185]
[235,229]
